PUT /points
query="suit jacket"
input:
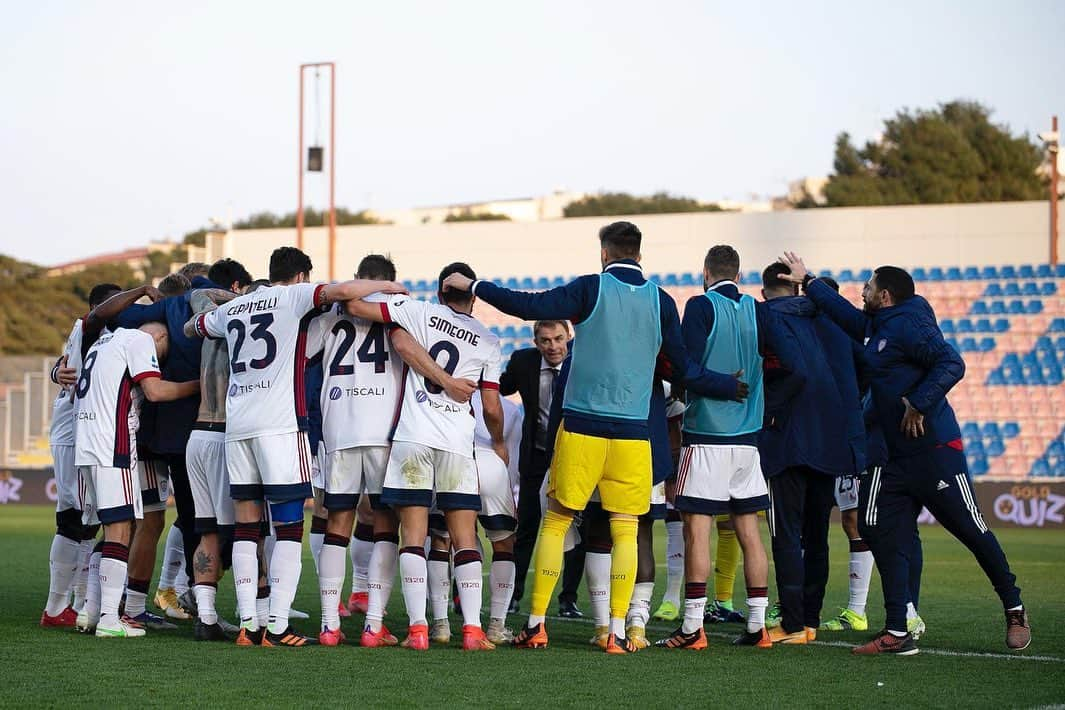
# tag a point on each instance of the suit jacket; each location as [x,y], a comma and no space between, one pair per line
[522,375]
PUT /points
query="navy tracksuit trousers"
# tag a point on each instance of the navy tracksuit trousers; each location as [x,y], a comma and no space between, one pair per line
[889,501]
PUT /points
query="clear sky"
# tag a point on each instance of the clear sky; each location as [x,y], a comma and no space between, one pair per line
[122,122]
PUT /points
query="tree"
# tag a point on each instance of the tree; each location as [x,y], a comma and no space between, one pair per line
[951,154]
[477,217]
[311,218]
[622,203]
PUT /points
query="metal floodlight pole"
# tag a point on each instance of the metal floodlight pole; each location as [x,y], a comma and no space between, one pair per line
[1054,146]
[332,165]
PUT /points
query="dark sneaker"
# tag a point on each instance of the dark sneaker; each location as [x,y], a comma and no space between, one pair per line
[532,637]
[620,646]
[759,638]
[695,641]
[289,637]
[721,614]
[887,642]
[1018,632]
[209,632]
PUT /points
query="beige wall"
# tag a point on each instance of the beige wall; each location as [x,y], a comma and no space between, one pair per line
[940,235]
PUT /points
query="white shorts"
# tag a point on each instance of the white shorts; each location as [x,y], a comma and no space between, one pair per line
[205,456]
[498,513]
[155,483]
[275,468]
[66,477]
[416,472]
[109,495]
[847,493]
[720,479]
[351,472]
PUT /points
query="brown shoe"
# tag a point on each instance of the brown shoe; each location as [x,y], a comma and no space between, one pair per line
[1018,632]
[887,642]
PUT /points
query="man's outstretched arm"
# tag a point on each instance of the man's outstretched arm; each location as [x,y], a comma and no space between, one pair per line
[573,302]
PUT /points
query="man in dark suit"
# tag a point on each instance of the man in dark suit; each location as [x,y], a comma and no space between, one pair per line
[531,373]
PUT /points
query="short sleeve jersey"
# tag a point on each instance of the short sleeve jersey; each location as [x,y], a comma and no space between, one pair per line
[106,419]
[513,416]
[62,428]
[363,379]
[266,332]
[462,347]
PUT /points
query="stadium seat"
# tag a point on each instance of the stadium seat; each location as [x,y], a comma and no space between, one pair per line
[1001,325]
[1048,288]
[1012,288]
[864,275]
[964,325]
[542,284]
[1059,271]
[1011,429]
[845,276]
[752,278]
[1043,271]
[999,308]
[1033,307]
[972,273]
[655,278]
[986,345]
[954,274]
[687,280]
[979,308]
[527,284]
[983,326]
[1007,272]
[993,289]
[1040,468]
[947,326]
[919,274]
[936,274]
[988,273]
[1027,271]
[670,280]
[1057,325]
[513,284]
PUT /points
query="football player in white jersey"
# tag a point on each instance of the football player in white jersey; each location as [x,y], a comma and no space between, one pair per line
[117,370]
[267,452]
[432,447]
[68,561]
[360,397]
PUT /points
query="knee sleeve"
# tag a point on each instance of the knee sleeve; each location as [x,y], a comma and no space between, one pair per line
[225,545]
[68,524]
[290,511]
[89,532]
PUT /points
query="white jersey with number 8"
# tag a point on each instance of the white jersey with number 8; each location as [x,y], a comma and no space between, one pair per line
[267,335]
[363,379]
[462,347]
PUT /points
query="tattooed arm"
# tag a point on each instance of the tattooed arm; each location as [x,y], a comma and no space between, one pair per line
[214,380]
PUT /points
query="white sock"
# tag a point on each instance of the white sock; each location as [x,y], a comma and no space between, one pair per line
[756,607]
[640,604]
[135,602]
[911,612]
[694,611]
[597,573]
[182,584]
[617,626]
[62,568]
[205,596]
[332,566]
[361,550]
[468,580]
[317,540]
[413,572]
[92,587]
[382,573]
[439,587]
[80,584]
[112,580]
[501,581]
[861,569]
[262,609]
[268,545]
[173,559]
[285,566]
[674,561]
[246,582]
[535,619]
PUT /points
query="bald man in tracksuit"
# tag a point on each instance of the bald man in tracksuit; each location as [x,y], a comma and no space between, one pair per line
[911,369]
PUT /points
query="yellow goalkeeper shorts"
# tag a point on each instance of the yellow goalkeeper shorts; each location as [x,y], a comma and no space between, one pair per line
[620,468]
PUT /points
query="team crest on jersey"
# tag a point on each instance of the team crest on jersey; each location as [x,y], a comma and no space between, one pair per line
[334,394]
[421,396]
[232,390]
[881,345]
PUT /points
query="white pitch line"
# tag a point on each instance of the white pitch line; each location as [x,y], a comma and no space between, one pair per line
[844,644]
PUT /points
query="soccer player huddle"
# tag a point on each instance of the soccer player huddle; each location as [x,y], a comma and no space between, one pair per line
[245,398]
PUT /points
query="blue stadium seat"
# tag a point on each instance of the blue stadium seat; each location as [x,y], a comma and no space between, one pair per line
[752,277]
[983,326]
[998,308]
[964,325]
[953,342]
[995,448]
[656,278]
[978,466]
[935,273]
[968,345]
[947,326]
[1059,271]
[990,430]
[919,274]
[864,275]
[512,283]
[1039,468]
[980,308]
[1059,343]
[970,430]
[1007,272]
[527,284]
[971,273]
[986,345]
[845,276]
[993,289]
[1033,307]
[687,280]
[542,284]
[422,285]
[1057,325]
[1027,271]
[558,281]
[988,273]
[1011,429]
[1001,325]
[1030,288]
[670,280]
[1058,469]
[1043,271]
[1048,288]
[1012,289]
[509,332]
[995,377]
[409,285]
[954,274]
[975,448]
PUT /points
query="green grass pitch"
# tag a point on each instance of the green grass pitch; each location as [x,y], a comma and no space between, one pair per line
[963,660]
